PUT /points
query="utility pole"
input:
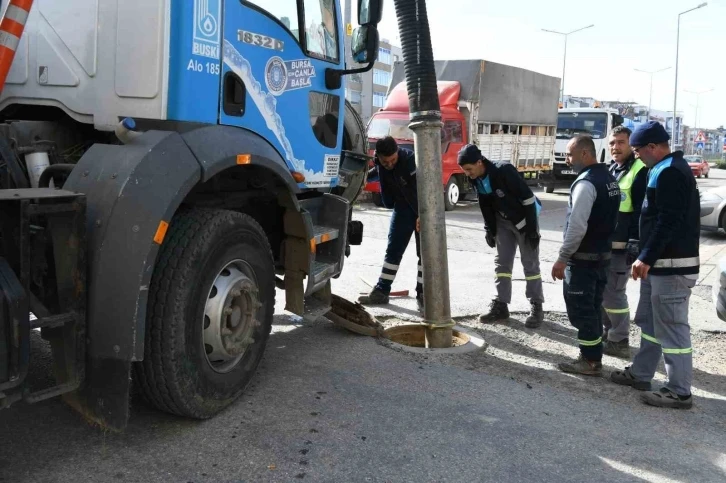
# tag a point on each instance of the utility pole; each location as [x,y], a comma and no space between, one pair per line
[347,20]
[651,72]
[698,101]
[564,61]
[675,90]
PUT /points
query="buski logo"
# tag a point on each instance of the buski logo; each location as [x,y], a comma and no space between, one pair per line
[281,76]
[206,28]
[276,76]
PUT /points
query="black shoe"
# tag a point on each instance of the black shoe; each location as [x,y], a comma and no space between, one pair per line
[665,398]
[536,316]
[376,297]
[420,304]
[617,349]
[626,378]
[498,311]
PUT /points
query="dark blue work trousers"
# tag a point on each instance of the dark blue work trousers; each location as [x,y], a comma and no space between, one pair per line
[583,290]
[403,225]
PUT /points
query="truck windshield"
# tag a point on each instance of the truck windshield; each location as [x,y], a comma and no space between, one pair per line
[382,127]
[571,124]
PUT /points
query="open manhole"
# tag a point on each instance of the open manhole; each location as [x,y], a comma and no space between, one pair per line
[412,338]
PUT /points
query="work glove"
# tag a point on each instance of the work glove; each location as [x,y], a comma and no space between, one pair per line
[533,239]
[632,250]
[491,239]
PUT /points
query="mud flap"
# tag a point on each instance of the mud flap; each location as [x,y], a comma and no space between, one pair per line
[104,398]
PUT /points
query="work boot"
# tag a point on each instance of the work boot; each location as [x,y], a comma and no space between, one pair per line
[376,297]
[498,311]
[581,366]
[536,316]
[626,378]
[420,303]
[665,398]
[617,349]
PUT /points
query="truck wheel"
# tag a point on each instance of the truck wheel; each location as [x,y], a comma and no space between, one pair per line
[210,308]
[549,188]
[377,199]
[452,193]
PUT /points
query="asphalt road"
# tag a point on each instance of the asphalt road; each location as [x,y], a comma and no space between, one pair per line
[327,405]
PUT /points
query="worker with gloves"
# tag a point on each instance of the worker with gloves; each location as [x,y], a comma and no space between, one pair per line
[668,267]
[592,214]
[511,212]
[631,176]
[395,168]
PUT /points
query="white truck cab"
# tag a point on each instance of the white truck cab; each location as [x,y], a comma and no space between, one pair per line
[571,122]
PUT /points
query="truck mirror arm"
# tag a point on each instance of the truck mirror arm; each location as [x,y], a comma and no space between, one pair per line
[333,77]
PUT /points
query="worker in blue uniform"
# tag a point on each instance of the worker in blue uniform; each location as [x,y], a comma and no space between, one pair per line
[511,221]
[395,168]
[668,267]
[584,258]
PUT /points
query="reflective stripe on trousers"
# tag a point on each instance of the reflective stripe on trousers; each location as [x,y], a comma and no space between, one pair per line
[508,239]
[402,226]
[663,318]
[616,319]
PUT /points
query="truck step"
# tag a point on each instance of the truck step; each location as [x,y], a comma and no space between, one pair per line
[324,234]
[322,271]
[315,308]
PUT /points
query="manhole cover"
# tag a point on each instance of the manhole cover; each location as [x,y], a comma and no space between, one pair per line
[412,338]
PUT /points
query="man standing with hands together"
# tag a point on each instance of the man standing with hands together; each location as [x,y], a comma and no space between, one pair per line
[668,267]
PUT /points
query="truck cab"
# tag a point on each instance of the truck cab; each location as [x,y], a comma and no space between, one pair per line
[571,122]
[393,120]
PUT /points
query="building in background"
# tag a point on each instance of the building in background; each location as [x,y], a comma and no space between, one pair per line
[367,91]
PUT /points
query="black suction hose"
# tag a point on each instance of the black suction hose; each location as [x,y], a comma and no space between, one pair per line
[14,169]
[418,59]
[52,171]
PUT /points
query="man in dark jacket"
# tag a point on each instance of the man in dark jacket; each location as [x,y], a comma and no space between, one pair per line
[592,214]
[630,173]
[668,267]
[510,212]
[396,170]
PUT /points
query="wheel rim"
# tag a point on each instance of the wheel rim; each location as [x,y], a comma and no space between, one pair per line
[453,193]
[230,316]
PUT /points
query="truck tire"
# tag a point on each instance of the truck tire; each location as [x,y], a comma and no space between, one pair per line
[376,197]
[550,188]
[209,313]
[452,193]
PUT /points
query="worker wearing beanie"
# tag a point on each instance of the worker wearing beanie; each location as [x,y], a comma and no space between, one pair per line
[630,173]
[511,213]
[668,266]
[584,258]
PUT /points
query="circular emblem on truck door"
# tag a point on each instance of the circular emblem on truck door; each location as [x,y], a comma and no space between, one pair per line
[276,76]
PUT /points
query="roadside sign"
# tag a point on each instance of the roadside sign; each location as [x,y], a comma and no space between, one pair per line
[701,138]
[699,145]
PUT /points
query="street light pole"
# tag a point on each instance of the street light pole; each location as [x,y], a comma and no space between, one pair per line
[564,61]
[675,90]
[698,101]
[651,72]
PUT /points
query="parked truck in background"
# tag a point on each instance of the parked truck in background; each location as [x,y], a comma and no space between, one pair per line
[571,122]
[510,113]
[166,164]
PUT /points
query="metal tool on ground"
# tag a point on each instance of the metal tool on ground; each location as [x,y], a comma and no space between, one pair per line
[396,293]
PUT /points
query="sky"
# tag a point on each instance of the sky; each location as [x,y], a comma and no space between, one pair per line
[628,34]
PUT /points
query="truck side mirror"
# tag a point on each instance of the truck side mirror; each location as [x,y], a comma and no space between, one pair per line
[364,46]
[370,12]
[618,120]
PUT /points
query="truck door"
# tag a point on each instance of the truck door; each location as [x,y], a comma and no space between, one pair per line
[274,57]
